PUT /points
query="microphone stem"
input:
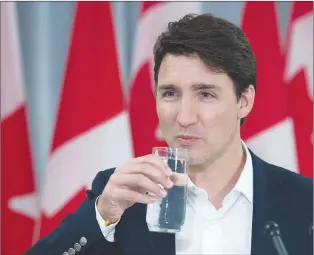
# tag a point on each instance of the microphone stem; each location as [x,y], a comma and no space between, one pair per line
[279,246]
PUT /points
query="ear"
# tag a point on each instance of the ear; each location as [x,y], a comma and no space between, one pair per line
[246,102]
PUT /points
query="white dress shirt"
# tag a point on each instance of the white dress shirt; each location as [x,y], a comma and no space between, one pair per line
[210,231]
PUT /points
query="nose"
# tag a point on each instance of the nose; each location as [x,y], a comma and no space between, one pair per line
[187,114]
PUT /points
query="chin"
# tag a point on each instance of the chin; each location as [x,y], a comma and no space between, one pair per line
[197,160]
[196,157]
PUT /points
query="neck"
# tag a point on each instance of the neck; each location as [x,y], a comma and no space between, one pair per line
[220,176]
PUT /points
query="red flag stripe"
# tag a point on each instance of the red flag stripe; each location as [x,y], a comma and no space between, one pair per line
[88,57]
[18,201]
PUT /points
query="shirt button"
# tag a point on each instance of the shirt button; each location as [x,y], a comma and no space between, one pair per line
[77,247]
[71,251]
[83,241]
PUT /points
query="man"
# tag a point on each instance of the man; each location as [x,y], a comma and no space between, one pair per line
[204,87]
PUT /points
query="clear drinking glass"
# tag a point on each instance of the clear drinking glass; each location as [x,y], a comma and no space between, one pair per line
[168,214]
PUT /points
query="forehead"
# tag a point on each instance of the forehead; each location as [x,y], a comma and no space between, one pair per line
[188,70]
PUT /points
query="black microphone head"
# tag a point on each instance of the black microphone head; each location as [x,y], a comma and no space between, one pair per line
[272,229]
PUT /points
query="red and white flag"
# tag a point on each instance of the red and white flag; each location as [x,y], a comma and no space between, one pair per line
[299,81]
[154,18]
[92,131]
[269,128]
[19,208]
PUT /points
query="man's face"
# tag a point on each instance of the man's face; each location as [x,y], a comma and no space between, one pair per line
[197,108]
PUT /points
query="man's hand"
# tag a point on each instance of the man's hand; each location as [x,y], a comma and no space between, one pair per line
[137,181]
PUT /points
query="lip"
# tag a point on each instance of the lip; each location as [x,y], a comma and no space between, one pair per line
[187,140]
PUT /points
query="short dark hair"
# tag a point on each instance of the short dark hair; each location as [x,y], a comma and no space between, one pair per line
[221,45]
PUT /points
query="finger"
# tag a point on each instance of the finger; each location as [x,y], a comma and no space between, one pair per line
[137,197]
[149,168]
[156,162]
[156,175]
[139,181]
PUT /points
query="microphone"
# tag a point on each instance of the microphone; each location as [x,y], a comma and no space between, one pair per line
[272,229]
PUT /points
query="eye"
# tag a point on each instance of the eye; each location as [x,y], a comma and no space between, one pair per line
[205,95]
[169,94]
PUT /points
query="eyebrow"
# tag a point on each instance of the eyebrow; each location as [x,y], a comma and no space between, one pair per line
[205,86]
[199,86]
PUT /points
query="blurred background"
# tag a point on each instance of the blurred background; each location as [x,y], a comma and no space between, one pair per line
[76,97]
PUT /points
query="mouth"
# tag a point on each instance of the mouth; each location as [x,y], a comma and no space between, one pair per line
[186,140]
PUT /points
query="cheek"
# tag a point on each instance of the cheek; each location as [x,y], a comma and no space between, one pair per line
[167,119]
[166,114]
[219,115]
